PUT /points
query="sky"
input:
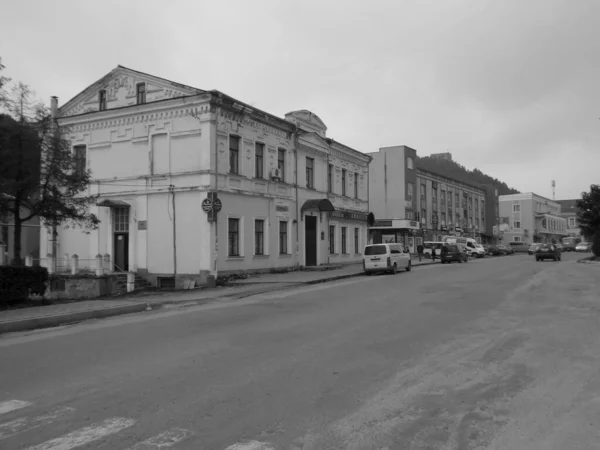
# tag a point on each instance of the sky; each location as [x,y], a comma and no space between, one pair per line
[510,87]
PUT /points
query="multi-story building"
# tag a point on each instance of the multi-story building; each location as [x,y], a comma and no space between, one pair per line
[568,210]
[393,196]
[491,216]
[530,218]
[449,207]
[193,182]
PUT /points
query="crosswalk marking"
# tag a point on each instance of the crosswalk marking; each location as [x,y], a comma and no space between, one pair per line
[13,427]
[163,440]
[251,445]
[12,405]
[86,435]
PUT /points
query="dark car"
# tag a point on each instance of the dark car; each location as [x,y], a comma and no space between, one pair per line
[505,250]
[548,251]
[451,252]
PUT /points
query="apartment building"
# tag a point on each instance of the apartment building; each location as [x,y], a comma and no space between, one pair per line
[530,218]
[568,210]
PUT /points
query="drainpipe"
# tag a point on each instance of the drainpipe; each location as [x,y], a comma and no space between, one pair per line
[172,189]
[297,205]
[216,185]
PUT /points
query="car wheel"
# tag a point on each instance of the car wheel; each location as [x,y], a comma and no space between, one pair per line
[409,267]
[394,269]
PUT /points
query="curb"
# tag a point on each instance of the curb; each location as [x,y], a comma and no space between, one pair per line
[67,318]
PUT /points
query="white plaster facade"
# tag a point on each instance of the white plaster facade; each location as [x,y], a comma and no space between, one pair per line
[156,149]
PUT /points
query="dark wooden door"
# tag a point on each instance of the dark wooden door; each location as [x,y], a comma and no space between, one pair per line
[121,252]
[310,224]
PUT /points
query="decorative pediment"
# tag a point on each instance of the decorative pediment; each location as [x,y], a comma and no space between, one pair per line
[313,142]
[307,121]
[120,87]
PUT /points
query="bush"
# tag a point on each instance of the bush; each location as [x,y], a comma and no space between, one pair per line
[596,244]
[17,282]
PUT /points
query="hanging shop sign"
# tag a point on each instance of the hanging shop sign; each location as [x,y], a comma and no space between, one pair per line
[350,215]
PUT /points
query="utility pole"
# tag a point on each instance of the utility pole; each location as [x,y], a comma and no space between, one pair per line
[553,193]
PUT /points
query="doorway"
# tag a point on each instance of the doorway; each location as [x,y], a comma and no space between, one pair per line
[121,252]
[310,240]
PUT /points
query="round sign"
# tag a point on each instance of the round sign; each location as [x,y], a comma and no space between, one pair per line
[217,205]
[207,205]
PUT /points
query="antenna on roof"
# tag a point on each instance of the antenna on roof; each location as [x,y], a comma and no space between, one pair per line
[553,193]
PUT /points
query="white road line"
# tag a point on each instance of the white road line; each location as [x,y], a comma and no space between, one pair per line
[251,445]
[164,440]
[86,435]
[13,427]
[12,405]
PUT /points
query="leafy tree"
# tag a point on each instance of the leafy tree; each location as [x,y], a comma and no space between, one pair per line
[588,215]
[39,175]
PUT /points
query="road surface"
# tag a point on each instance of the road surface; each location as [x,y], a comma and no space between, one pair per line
[500,353]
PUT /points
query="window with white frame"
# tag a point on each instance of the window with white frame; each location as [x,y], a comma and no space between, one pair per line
[516,208]
[516,238]
[233,238]
[281,162]
[517,225]
[234,154]
[571,222]
[283,237]
[409,191]
[141,93]
[410,163]
[259,237]
[259,160]
[330,178]
[344,240]
[344,181]
[355,184]
[356,240]
[310,173]
[121,219]
[102,100]
[80,160]
[332,239]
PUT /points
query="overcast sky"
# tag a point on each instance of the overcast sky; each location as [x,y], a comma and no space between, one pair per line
[511,87]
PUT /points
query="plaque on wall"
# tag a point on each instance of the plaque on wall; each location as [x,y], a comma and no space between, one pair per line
[142,225]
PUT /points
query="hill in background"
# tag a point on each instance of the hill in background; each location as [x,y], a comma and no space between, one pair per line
[442,164]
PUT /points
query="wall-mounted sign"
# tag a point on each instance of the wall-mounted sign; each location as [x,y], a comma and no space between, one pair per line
[458,229]
[282,208]
[142,225]
[382,223]
[211,205]
[349,215]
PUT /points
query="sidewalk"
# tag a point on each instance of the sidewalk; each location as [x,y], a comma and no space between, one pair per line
[66,313]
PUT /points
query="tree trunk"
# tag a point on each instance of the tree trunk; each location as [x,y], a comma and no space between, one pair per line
[17,261]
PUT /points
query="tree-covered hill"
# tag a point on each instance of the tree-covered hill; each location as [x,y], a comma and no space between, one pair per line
[452,169]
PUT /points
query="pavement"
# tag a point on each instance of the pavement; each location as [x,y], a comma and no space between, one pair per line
[65,313]
[502,353]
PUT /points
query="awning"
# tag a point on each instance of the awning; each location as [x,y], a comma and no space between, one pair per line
[318,204]
[113,203]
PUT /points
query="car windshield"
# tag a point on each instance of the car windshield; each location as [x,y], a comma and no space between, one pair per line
[375,250]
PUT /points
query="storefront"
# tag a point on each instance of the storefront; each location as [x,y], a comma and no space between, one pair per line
[347,235]
[401,231]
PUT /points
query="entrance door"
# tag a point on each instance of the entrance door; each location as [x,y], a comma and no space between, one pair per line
[310,233]
[121,252]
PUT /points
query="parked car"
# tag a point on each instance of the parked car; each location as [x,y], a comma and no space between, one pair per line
[451,252]
[533,248]
[560,247]
[478,251]
[505,250]
[493,250]
[386,258]
[547,251]
[521,247]
[583,247]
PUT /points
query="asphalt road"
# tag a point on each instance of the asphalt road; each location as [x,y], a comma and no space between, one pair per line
[500,353]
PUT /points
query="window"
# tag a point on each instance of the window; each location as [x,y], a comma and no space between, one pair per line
[259,160]
[442,197]
[423,191]
[408,214]
[410,163]
[80,160]
[332,239]
[234,154]
[259,237]
[330,178]
[423,216]
[356,243]
[310,173]
[483,205]
[517,238]
[571,222]
[449,199]
[443,218]
[281,162]
[234,237]
[517,225]
[283,237]
[141,93]
[457,199]
[102,100]
[355,185]
[409,191]
[434,195]
[343,181]
[121,219]
[344,238]
[516,208]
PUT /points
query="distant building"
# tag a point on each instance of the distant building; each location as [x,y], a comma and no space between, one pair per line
[445,156]
[491,214]
[568,210]
[530,218]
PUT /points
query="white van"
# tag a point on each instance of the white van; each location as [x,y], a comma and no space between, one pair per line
[468,245]
[386,258]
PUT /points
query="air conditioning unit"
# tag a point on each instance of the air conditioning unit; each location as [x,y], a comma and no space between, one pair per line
[276,174]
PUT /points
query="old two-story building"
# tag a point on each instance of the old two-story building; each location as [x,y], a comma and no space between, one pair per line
[192,182]
[449,207]
[568,210]
[530,218]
